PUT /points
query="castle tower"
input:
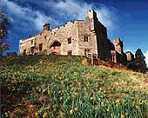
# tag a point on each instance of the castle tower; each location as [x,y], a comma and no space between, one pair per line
[90,18]
[118,44]
[130,56]
[100,31]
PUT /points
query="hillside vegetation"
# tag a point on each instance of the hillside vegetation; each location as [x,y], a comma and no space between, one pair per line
[60,86]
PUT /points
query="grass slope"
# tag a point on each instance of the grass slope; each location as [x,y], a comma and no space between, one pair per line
[58,86]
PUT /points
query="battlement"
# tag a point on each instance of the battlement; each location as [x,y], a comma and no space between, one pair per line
[66,24]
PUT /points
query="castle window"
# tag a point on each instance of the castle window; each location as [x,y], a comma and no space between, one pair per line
[24,52]
[45,37]
[40,47]
[69,40]
[86,51]
[31,42]
[69,52]
[32,50]
[85,38]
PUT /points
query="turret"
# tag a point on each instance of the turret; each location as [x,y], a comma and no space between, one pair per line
[118,44]
[129,56]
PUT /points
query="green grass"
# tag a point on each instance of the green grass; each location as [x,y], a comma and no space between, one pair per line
[70,89]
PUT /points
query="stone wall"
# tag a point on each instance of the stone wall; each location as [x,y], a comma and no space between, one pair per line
[48,37]
[79,37]
[83,39]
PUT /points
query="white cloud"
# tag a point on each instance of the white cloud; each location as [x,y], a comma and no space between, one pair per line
[36,17]
[67,9]
[77,11]
[73,8]
[41,19]
[106,17]
[146,55]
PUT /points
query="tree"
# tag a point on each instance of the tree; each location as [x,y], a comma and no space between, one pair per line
[140,60]
[4,23]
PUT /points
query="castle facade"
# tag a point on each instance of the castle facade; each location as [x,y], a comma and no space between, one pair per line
[80,37]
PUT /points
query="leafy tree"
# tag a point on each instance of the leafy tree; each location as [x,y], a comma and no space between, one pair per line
[140,60]
[4,23]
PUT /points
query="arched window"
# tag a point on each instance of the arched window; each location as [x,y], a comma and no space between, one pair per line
[55,47]
[85,38]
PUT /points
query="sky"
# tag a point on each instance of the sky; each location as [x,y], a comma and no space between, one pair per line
[127,19]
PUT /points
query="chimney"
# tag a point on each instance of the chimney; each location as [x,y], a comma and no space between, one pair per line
[46,27]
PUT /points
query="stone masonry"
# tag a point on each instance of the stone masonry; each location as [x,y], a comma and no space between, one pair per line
[80,37]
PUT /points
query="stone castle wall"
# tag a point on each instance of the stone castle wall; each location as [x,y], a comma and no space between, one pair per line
[79,37]
[82,40]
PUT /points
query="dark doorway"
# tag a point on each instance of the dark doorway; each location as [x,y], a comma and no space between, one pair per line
[55,48]
[24,52]
[40,47]
[69,52]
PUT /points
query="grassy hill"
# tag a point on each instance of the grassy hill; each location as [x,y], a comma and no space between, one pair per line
[58,86]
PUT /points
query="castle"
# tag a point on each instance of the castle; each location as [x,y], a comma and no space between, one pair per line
[80,37]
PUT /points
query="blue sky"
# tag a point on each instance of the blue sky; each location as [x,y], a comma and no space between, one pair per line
[127,19]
